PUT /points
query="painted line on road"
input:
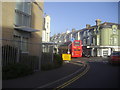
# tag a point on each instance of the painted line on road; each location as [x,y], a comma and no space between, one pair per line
[73,79]
[46,85]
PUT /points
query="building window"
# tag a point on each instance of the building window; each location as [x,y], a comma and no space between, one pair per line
[93,40]
[24,44]
[111,41]
[23,14]
[84,42]
[17,42]
[88,33]
[47,25]
[84,34]
[98,40]
[114,28]
[88,41]
[21,43]
[115,40]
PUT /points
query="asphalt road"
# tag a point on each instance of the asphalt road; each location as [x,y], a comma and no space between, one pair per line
[100,75]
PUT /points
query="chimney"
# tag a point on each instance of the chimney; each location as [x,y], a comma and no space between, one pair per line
[87,25]
[98,22]
[73,29]
[67,31]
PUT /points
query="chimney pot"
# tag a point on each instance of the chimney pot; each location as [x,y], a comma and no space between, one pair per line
[87,25]
[73,30]
[98,22]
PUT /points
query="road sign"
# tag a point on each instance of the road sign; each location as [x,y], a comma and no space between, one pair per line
[66,56]
[72,39]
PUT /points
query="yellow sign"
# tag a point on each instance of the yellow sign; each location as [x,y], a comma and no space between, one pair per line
[66,56]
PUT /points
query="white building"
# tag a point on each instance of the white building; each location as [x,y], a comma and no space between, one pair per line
[46,34]
[46,31]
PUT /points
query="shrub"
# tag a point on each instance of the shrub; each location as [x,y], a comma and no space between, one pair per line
[57,60]
[46,58]
[16,70]
[31,61]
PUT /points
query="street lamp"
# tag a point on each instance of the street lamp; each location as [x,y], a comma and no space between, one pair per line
[68,48]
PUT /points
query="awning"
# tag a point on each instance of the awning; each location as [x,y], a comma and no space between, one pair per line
[26,29]
[49,43]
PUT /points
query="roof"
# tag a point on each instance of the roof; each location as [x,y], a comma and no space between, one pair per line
[102,25]
[66,43]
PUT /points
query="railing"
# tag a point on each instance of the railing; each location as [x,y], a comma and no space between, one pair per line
[9,55]
[34,57]
[12,54]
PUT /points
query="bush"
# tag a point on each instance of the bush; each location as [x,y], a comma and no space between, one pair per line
[46,58]
[31,61]
[16,70]
[57,60]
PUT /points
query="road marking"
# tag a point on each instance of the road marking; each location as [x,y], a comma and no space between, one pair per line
[46,85]
[73,79]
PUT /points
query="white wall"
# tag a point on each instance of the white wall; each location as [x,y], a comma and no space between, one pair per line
[46,32]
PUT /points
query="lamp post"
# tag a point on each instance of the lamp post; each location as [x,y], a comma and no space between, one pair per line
[68,48]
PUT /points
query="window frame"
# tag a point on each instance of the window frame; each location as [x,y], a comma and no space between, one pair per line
[20,43]
[25,16]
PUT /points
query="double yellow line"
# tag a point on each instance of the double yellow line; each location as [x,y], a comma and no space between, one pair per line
[73,79]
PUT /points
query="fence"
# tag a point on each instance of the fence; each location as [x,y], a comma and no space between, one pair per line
[47,55]
[12,52]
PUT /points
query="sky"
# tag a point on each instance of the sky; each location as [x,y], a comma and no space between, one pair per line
[69,15]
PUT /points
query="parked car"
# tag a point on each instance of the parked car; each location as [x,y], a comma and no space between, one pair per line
[115,57]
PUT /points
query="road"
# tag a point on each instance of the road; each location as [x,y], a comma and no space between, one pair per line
[100,75]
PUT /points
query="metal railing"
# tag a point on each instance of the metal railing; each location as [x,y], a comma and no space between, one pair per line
[12,53]
[33,55]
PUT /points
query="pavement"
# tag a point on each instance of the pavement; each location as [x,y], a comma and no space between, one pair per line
[41,78]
